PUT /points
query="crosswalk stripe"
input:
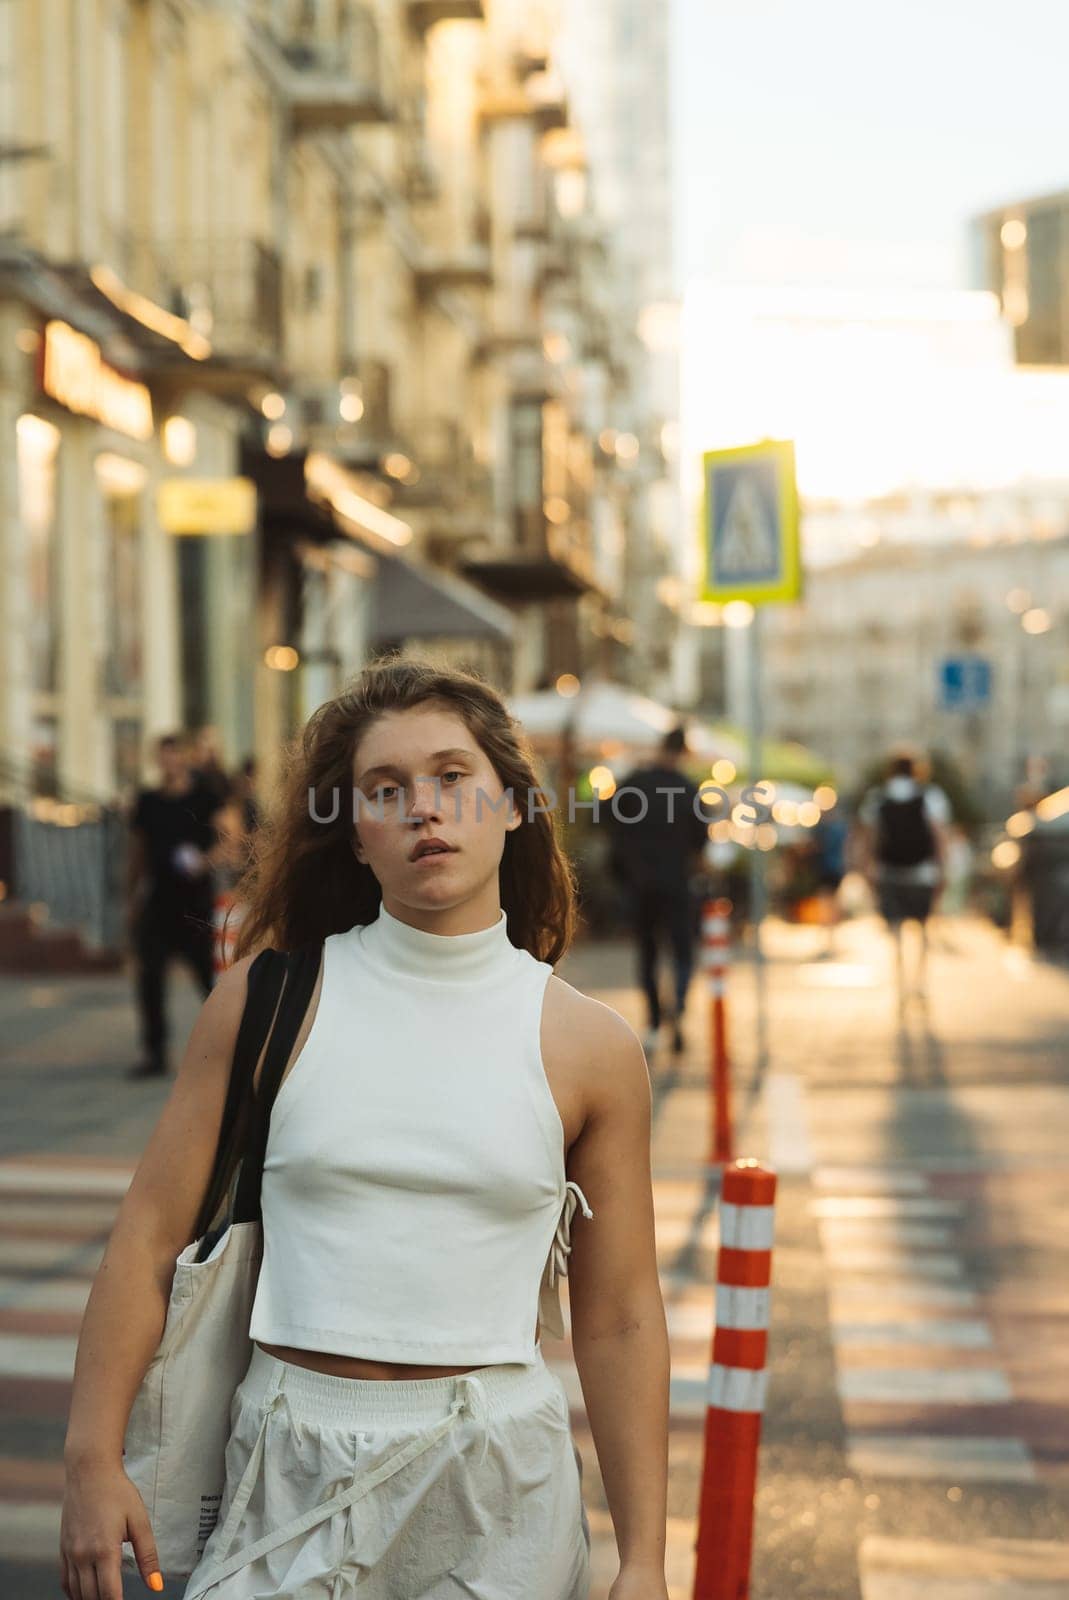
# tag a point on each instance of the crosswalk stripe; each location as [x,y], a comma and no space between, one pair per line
[29,1531]
[903,1263]
[22,1356]
[964,1335]
[856,1295]
[906,1586]
[43,1294]
[62,1214]
[887,1232]
[995,1568]
[61,1255]
[901,1386]
[937,1456]
[38,1178]
[878,1205]
[789,1143]
[671,1232]
[869,1180]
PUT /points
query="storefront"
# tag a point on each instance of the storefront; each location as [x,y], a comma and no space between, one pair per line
[117,628]
[81,452]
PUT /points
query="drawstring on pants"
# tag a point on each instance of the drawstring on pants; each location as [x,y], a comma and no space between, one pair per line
[469,1390]
[476,1390]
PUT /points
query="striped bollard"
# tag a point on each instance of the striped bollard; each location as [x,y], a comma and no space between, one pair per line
[738,1378]
[716,958]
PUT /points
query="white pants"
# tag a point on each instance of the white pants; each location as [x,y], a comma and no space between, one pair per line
[419,1489]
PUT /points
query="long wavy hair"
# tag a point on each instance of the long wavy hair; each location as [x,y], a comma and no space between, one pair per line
[303,881]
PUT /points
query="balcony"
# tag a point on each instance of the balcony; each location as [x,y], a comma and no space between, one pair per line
[456,269]
[423,14]
[546,562]
[228,289]
[360,436]
[540,97]
[327,83]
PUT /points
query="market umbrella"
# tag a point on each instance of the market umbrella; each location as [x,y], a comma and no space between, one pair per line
[610,719]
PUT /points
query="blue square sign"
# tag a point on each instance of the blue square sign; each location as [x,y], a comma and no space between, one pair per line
[964,683]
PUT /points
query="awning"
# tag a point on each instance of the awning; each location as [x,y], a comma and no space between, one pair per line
[417,602]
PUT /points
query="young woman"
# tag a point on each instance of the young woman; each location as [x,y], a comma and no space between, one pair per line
[448,1104]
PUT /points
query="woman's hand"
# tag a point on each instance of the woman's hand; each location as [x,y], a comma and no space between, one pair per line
[637,1581]
[101,1508]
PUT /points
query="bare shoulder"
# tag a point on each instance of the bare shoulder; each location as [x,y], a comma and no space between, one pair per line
[602,1052]
[221,1012]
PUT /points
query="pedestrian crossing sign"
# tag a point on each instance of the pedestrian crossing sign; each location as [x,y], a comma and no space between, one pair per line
[750,524]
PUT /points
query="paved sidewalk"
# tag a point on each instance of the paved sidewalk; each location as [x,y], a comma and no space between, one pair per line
[916,1440]
[915,1443]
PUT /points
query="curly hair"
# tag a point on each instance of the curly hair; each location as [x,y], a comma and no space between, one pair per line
[303,882]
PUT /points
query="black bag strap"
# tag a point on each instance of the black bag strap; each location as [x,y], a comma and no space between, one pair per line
[264,981]
[302,970]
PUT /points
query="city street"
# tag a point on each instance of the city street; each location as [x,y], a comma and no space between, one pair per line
[915,1440]
[623,401]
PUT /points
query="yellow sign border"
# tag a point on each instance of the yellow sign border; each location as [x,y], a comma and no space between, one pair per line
[789,587]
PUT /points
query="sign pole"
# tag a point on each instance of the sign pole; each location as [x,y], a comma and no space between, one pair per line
[757,857]
[751,552]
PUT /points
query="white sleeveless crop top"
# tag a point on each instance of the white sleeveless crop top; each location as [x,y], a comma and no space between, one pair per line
[415,1205]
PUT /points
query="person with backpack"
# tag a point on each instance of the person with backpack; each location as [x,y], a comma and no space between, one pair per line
[445,1102]
[904,844]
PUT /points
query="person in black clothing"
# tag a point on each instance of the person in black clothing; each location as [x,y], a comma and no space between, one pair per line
[208,769]
[170,890]
[657,833]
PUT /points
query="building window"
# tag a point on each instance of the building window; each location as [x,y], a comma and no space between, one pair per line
[525,453]
[122,485]
[38,450]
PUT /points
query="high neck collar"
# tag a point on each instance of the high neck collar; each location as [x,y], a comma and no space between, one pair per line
[412,952]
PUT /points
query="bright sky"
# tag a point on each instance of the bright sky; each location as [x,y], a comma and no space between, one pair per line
[848,143]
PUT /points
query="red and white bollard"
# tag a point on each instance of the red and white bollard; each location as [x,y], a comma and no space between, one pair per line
[716,958]
[227,916]
[738,1378]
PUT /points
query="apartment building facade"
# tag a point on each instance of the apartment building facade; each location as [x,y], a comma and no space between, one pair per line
[343,255]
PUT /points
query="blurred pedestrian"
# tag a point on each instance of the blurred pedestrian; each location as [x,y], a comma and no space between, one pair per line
[903,833]
[208,766]
[173,845]
[657,832]
[829,844]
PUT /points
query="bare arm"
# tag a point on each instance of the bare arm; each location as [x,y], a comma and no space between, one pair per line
[619,1332]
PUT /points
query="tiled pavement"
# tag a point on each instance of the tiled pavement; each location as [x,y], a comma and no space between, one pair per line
[916,1442]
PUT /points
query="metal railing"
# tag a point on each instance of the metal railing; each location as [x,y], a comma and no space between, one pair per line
[68,852]
[229,289]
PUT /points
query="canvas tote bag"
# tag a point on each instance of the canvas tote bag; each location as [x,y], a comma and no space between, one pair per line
[179,1424]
